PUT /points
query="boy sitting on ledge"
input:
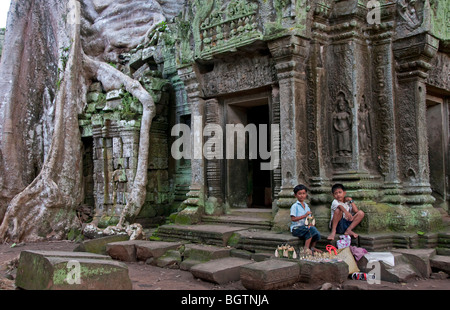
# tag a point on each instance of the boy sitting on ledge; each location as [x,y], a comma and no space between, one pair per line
[345,216]
[299,212]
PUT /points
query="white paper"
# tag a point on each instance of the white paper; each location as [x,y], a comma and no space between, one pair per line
[385,257]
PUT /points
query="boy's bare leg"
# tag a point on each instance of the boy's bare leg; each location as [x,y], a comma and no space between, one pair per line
[313,247]
[307,245]
[357,218]
[336,218]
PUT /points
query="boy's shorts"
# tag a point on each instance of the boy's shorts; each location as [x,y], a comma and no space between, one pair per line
[306,233]
[342,226]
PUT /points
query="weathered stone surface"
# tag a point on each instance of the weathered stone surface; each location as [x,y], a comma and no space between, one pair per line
[98,245]
[209,234]
[269,274]
[419,258]
[220,271]
[320,272]
[261,240]
[402,271]
[197,253]
[123,250]
[171,259]
[54,270]
[155,249]
[441,262]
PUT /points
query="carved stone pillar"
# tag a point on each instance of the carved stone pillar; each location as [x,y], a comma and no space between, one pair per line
[214,154]
[383,96]
[413,55]
[275,108]
[195,201]
[290,54]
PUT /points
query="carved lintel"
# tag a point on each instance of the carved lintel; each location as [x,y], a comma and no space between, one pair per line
[414,54]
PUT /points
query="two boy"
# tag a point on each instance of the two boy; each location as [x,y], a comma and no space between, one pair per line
[345,216]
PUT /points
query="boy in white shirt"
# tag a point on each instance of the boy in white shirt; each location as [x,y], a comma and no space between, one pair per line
[344,213]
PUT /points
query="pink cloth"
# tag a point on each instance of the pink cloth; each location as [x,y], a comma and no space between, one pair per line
[358,252]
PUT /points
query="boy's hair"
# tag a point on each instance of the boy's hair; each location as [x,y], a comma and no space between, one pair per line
[336,186]
[299,188]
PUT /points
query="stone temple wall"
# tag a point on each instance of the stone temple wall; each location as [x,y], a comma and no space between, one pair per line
[352,89]
[350,94]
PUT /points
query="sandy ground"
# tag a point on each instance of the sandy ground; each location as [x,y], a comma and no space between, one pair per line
[147,277]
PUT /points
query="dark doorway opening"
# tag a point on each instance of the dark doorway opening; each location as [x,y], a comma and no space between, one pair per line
[260,187]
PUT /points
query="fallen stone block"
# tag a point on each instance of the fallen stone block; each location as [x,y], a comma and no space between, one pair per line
[154,249]
[321,272]
[419,258]
[441,263]
[220,271]
[270,274]
[401,271]
[98,245]
[123,250]
[56,270]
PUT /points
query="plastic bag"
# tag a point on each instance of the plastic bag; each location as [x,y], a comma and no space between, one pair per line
[344,241]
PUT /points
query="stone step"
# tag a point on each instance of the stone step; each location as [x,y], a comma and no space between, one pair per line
[220,271]
[264,213]
[239,220]
[198,253]
[58,270]
[245,217]
[205,233]
[262,240]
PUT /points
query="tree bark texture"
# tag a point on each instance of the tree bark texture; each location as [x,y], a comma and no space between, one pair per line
[53,51]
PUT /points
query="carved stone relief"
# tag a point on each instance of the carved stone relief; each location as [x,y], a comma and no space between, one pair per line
[342,127]
[229,26]
[364,129]
[241,74]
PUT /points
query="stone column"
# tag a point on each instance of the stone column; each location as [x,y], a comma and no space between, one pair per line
[195,201]
[413,55]
[383,96]
[290,54]
[214,175]
[275,116]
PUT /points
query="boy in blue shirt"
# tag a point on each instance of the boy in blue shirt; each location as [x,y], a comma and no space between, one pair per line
[299,212]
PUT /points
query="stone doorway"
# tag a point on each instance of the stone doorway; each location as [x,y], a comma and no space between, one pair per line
[247,185]
[438,147]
